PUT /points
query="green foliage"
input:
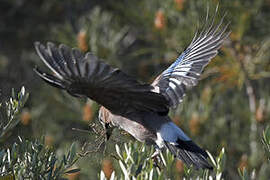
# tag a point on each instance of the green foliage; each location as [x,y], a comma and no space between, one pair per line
[135,162]
[229,108]
[266,141]
[9,112]
[33,160]
[29,159]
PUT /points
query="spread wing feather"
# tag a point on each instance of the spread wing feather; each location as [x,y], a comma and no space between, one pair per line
[186,70]
[86,75]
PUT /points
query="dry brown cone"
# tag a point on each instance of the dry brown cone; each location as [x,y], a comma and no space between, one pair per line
[243,163]
[260,112]
[25,117]
[234,36]
[259,115]
[206,95]
[194,123]
[82,41]
[49,140]
[179,165]
[176,119]
[87,112]
[160,20]
[107,168]
[142,71]
[179,4]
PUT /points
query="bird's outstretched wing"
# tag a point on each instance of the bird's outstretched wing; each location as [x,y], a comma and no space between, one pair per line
[86,75]
[186,70]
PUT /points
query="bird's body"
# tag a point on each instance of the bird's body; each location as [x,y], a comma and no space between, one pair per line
[133,126]
[139,109]
[143,126]
[140,125]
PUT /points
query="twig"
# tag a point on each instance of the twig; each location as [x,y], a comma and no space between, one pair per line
[81,130]
[252,103]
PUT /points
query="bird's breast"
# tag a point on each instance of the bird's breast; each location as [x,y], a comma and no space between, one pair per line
[134,127]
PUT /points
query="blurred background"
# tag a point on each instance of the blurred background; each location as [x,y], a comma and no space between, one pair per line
[229,108]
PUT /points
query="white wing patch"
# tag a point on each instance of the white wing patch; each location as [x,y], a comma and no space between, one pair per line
[186,70]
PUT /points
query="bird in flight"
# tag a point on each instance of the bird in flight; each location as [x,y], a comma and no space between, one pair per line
[140,109]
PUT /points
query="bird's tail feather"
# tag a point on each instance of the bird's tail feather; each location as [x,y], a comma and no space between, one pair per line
[189,153]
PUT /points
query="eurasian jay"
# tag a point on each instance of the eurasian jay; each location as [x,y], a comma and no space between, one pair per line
[139,109]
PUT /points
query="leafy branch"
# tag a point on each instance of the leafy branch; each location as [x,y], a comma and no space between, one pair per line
[33,160]
[9,111]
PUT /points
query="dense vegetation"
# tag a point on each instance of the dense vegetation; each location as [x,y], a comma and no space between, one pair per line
[60,135]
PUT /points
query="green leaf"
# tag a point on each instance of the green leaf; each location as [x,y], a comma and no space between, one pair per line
[118,151]
[13,93]
[212,159]
[113,177]
[266,134]
[7,177]
[123,168]
[72,152]
[102,176]
[243,174]
[72,171]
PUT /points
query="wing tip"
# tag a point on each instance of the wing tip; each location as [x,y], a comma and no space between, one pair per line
[37,46]
[191,156]
[50,79]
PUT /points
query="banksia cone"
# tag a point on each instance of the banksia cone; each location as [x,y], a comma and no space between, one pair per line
[82,40]
[160,21]
[194,123]
[243,162]
[179,4]
[107,168]
[87,112]
[25,118]
[260,112]
[179,165]
[49,140]
[143,69]
[206,95]
[176,119]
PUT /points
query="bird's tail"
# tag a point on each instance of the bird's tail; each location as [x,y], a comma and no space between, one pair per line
[190,154]
[182,146]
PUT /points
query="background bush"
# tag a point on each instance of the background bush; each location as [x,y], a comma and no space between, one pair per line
[229,108]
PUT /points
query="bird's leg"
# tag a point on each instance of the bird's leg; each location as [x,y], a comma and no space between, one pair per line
[158,158]
[156,153]
[108,130]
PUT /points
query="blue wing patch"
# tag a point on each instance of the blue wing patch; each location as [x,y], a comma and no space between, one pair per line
[170,70]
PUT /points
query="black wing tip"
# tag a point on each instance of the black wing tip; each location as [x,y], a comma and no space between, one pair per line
[37,45]
[63,46]
[210,167]
[192,147]
[190,154]
[49,44]
[37,71]
[50,79]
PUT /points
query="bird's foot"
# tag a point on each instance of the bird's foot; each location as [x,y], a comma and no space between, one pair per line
[158,159]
